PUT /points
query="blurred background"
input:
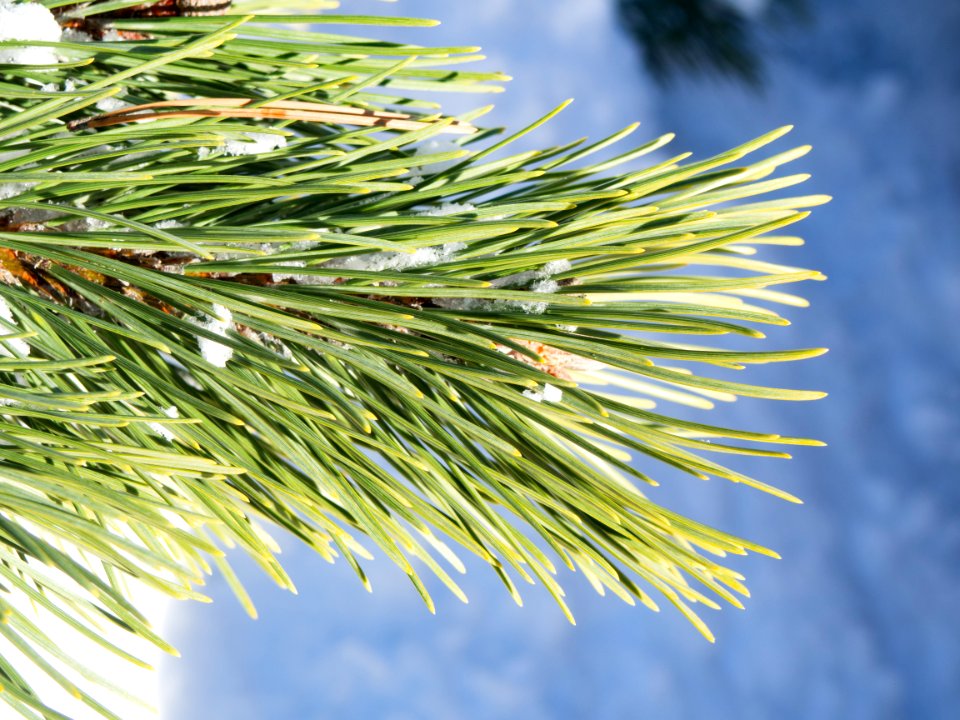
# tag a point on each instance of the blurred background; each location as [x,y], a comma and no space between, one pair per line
[859,619]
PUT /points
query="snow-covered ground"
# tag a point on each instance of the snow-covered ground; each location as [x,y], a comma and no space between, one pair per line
[859,620]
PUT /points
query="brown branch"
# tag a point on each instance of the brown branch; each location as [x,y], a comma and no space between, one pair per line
[277,110]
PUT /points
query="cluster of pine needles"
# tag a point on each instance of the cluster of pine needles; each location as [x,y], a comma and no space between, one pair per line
[252,277]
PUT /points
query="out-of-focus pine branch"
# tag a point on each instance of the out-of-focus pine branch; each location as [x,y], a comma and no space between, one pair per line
[707,37]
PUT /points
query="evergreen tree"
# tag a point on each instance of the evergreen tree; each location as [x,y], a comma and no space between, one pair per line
[251,277]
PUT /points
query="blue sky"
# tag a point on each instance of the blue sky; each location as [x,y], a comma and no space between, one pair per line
[858,620]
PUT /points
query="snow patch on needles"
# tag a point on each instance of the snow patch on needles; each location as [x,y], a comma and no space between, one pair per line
[538,281]
[255,144]
[68,86]
[9,190]
[28,21]
[214,352]
[545,286]
[244,250]
[14,154]
[555,267]
[110,104]
[160,429]
[542,283]
[11,348]
[537,278]
[549,393]
[280,277]
[84,224]
[447,208]
[75,35]
[107,34]
[168,225]
[384,261]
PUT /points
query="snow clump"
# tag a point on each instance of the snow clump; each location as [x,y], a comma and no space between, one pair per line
[447,208]
[538,281]
[255,144]
[549,393]
[160,429]
[28,21]
[110,104]
[214,352]
[384,261]
[11,348]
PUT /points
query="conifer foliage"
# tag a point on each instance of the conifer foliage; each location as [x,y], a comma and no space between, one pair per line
[253,278]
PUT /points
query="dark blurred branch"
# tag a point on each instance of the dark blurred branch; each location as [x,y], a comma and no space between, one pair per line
[706,36]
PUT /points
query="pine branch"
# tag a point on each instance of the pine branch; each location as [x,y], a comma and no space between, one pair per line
[227,308]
